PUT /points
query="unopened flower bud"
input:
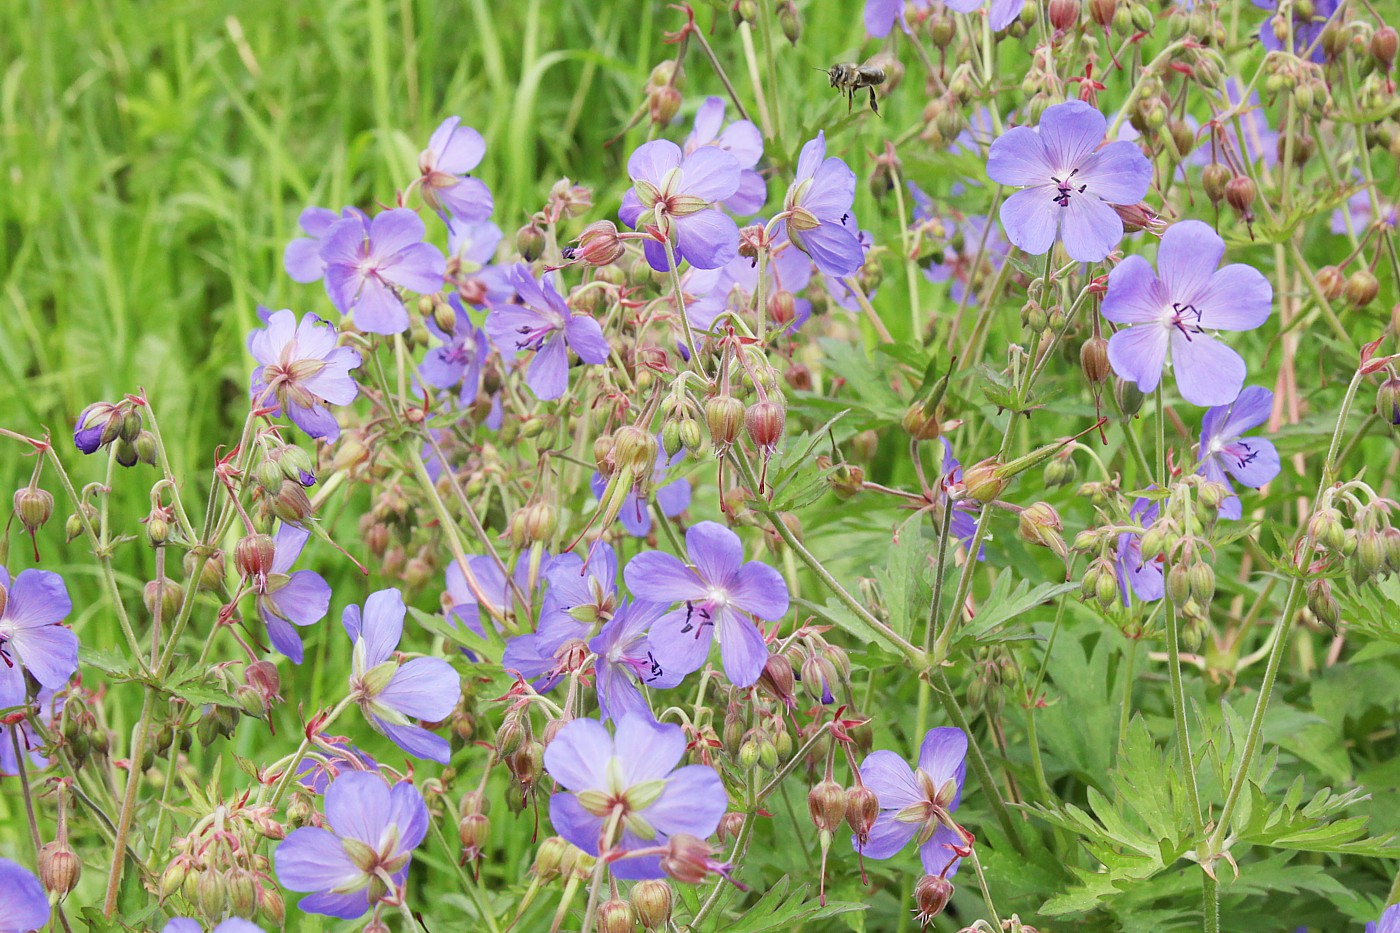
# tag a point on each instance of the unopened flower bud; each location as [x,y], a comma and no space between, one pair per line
[921,426]
[145,447]
[862,810]
[1102,11]
[1323,604]
[1178,584]
[634,448]
[1214,178]
[691,437]
[1093,359]
[262,676]
[1388,400]
[688,859]
[59,868]
[777,679]
[130,426]
[1202,577]
[1239,194]
[291,503]
[1384,43]
[1330,281]
[474,830]
[253,555]
[984,481]
[1361,288]
[651,903]
[1128,397]
[724,416]
[529,241]
[1040,524]
[662,104]
[931,896]
[167,594]
[34,506]
[764,424]
[1064,14]
[826,802]
[599,244]
[615,916]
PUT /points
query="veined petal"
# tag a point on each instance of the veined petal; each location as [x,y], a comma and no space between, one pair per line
[1207,371]
[1187,259]
[1138,354]
[1018,158]
[1031,218]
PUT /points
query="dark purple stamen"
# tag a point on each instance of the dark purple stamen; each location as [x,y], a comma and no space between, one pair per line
[1066,189]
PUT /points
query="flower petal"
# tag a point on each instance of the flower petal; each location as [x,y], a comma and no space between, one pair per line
[312,859]
[1071,132]
[714,550]
[693,802]
[1017,157]
[891,778]
[761,590]
[707,239]
[1135,294]
[424,688]
[741,648]
[1207,371]
[680,641]
[660,577]
[1118,173]
[647,750]
[1031,219]
[1186,260]
[1090,228]
[887,837]
[1238,297]
[1138,354]
[578,757]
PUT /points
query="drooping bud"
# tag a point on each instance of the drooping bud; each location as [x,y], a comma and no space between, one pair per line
[984,481]
[1093,359]
[663,103]
[1388,400]
[1214,178]
[1361,288]
[920,425]
[59,868]
[291,503]
[1064,14]
[1239,194]
[165,593]
[689,860]
[529,241]
[862,810]
[651,903]
[599,244]
[826,803]
[764,424]
[615,916]
[1040,524]
[777,679]
[931,896]
[724,416]
[1323,604]
[634,448]
[1330,281]
[253,555]
[1384,44]
[474,830]
[34,506]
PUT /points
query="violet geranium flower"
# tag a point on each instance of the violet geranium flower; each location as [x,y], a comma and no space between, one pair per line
[365,263]
[1138,577]
[881,15]
[32,636]
[453,151]
[581,597]
[631,783]
[461,357]
[287,599]
[1307,29]
[625,659]
[1068,182]
[302,257]
[966,512]
[1176,307]
[740,139]
[1389,922]
[674,194]
[364,855]
[231,925]
[818,208]
[301,370]
[1251,460]
[544,323]
[1001,13]
[918,804]
[25,906]
[720,592]
[391,694]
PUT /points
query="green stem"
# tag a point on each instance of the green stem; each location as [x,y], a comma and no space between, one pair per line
[979,763]
[1291,604]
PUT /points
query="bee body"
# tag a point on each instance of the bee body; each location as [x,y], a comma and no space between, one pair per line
[848,77]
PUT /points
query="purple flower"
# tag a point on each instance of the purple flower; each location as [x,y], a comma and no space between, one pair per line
[1142,578]
[966,512]
[453,151]
[316,773]
[671,498]
[470,250]
[544,323]
[349,867]
[625,658]
[630,781]
[47,704]
[302,369]
[836,288]
[1175,307]
[25,906]
[1389,922]
[789,272]
[32,636]
[1068,181]
[231,925]
[818,208]
[365,263]
[1001,13]
[460,359]
[1307,30]
[720,591]
[391,694]
[740,139]
[581,597]
[464,603]
[1251,460]
[675,194]
[1358,208]
[918,804]
[302,257]
[880,15]
[98,424]
[287,599]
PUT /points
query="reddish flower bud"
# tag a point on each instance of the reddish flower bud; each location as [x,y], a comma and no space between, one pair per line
[1239,194]
[662,104]
[764,424]
[59,868]
[1093,359]
[34,506]
[651,902]
[1330,281]
[826,802]
[599,244]
[931,895]
[689,859]
[253,554]
[1384,43]
[1064,14]
[862,809]
[1361,288]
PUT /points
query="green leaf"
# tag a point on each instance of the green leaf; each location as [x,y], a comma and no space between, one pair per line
[781,909]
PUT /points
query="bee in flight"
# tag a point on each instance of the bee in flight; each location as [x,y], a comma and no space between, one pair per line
[849,77]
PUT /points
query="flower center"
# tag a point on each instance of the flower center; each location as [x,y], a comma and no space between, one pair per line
[1184,317]
[1067,188]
